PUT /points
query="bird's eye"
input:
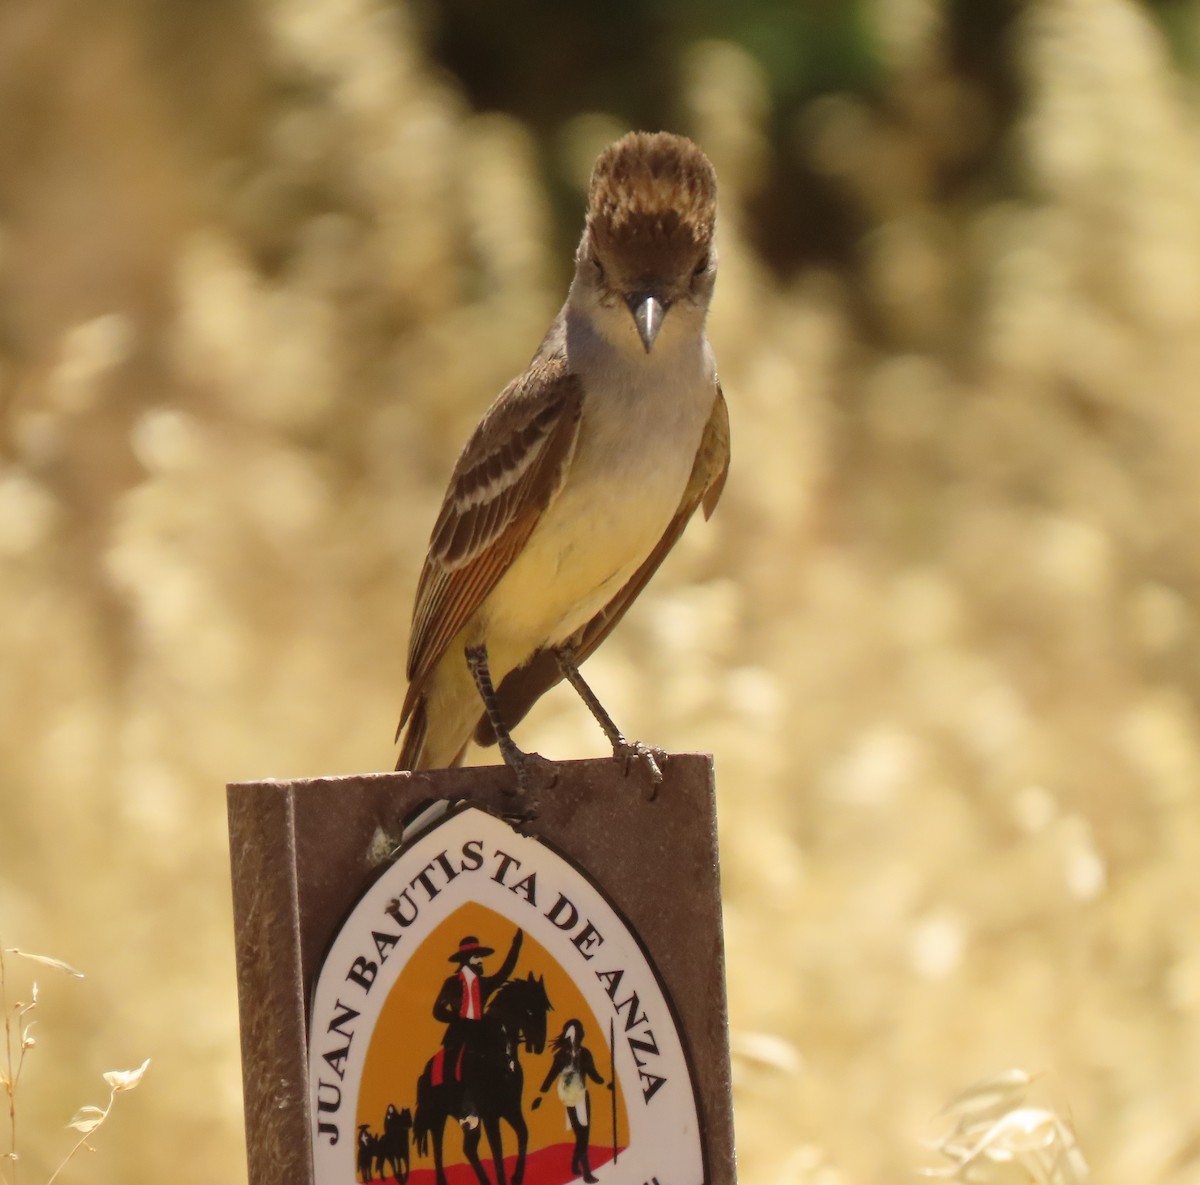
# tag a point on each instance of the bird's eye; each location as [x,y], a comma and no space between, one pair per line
[598,269]
[701,266]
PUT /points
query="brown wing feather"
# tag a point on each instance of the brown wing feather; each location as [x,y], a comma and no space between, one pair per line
[522,688]
[509,472]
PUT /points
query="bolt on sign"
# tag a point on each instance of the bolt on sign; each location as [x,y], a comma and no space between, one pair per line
[434,993]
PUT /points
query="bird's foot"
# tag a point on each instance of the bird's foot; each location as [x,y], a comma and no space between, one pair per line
[629,752]
[534,774]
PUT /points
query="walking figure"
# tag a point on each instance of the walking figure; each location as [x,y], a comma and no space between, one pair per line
[573,1065]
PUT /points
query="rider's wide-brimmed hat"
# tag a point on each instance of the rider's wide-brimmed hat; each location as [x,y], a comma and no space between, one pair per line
[468,948]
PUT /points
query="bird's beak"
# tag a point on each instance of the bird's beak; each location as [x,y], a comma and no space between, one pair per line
[648,313]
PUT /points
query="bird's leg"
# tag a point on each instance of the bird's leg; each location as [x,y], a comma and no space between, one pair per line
[526,766]
[623,750]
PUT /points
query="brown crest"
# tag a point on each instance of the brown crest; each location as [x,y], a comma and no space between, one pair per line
[653,200]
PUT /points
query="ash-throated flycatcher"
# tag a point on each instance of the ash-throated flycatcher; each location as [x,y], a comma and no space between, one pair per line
[584,472]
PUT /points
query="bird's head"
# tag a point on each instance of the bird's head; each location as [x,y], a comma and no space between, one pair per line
[647,248]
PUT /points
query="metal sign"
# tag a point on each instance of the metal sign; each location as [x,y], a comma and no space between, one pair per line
[430,994]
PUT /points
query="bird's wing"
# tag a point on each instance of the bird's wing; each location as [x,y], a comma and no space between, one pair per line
[511,469]
[522,688]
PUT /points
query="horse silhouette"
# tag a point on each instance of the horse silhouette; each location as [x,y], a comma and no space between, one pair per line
[388,1149]
[392,1147]
[491,1081]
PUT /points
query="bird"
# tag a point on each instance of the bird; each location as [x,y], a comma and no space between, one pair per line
[581,476]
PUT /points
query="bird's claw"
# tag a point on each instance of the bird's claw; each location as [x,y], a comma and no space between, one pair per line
[627,752]
[526,812]
[534,773]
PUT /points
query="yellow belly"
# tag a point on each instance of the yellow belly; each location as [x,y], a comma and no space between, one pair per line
[578,558]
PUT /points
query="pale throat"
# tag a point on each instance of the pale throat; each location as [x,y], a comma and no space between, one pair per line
[602,335]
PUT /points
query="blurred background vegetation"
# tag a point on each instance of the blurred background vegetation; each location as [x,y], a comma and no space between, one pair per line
[262,265]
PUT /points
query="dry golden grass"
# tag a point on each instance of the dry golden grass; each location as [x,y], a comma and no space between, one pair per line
[18,1018]
[255,288]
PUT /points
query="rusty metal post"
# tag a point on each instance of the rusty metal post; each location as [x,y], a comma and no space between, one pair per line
[304,851]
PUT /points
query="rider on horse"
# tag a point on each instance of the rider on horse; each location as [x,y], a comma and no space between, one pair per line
[464,996]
